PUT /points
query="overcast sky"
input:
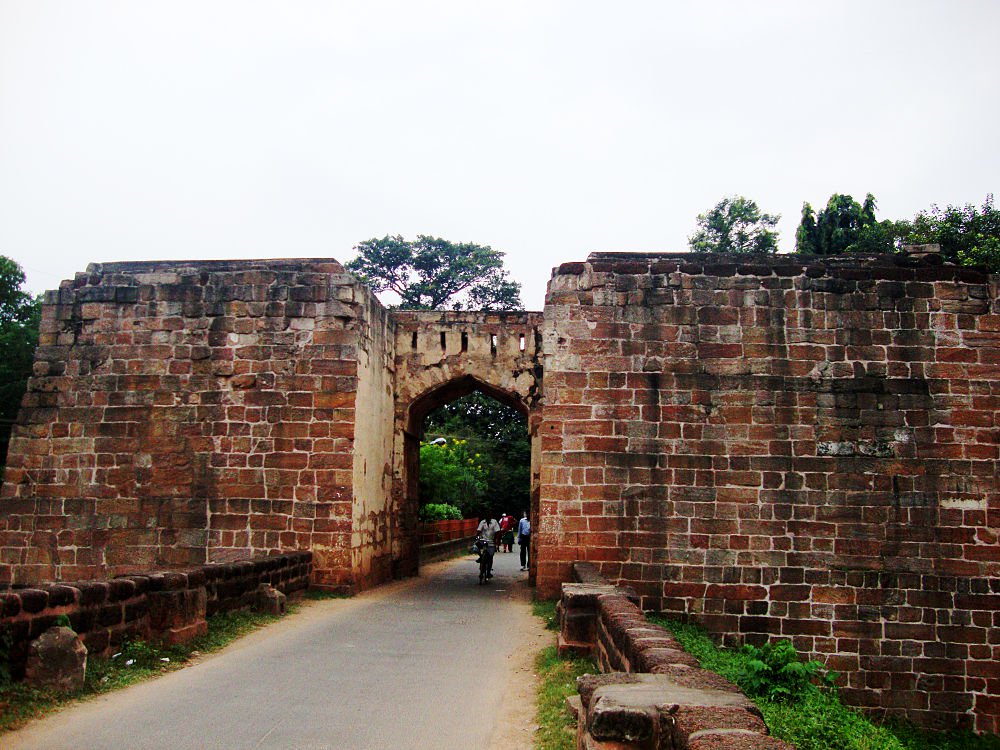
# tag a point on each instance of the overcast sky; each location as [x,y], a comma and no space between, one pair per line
[216,129]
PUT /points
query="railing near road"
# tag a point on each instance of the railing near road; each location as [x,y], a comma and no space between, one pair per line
[445,531]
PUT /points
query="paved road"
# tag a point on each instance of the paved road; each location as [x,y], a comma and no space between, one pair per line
[418,664]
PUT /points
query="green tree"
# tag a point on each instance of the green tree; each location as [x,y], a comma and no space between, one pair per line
[500,435]
[735,225]
[19,317]
[431,273]
[846,226]
[967,235]
[451,474]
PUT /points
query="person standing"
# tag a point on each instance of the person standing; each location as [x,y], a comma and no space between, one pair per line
[524,539]
[507,524]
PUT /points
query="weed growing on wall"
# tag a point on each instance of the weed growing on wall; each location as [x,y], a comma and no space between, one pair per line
[775,671]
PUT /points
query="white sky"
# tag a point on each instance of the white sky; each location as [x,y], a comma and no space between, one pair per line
[216,129]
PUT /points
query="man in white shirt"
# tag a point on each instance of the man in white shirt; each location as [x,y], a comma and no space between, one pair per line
[487,530]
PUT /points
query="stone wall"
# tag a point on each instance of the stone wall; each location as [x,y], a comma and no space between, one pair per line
[788,447]
[372,538]
[806,448]
[166,605]
[650,693]
[183,413]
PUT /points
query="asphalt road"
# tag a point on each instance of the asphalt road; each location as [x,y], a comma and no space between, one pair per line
[418,664]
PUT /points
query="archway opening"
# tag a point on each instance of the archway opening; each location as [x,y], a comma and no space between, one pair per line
[469,456]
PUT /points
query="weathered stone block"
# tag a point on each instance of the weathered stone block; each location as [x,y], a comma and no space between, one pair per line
[57,660]
[269,600]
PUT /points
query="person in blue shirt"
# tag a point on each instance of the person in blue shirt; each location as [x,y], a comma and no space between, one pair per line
[524,538]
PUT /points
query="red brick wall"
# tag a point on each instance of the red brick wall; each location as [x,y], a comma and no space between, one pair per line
[788,447]
[183,414]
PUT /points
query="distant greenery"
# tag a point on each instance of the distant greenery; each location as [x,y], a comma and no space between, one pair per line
[735,225]
[440,512]
[967,235]
[452,474]
[431,273]
[499,434]
[843,226]
[800,709]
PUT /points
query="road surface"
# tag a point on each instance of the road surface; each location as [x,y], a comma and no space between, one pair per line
[418,664]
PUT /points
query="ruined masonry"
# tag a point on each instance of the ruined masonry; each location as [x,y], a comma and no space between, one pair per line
[775,447]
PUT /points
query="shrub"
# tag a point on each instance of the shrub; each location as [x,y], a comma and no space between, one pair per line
[440,512]
[775,671]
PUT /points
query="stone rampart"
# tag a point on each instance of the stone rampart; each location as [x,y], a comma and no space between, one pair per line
[791,447]
[168,606]
[773,446]
[183,413]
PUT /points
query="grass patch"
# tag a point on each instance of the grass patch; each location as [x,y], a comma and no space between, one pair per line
[556,726]
[135,662]
[557,675]
[546,609]
[813,718]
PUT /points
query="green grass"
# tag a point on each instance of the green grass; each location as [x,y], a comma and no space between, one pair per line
[556,726]
[546,609]
[135,662]
[557,675]
[817,720]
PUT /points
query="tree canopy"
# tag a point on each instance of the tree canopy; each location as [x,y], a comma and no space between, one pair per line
[967,235]
[499,434]
[452,474]
[844,226]
[431,273]
[735,225]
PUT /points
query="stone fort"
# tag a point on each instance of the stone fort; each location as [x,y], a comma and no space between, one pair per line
[781,446]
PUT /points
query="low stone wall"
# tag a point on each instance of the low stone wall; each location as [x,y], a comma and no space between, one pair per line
[652,694]
[430,553]
[169,606]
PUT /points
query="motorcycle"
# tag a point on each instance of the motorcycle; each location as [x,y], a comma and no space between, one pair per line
[485,550]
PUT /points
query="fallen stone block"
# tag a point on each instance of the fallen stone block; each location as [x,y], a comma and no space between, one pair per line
[657,711]
[57,660]
[269,600]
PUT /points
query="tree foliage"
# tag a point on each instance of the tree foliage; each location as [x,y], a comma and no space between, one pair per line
[19,317]
[499,434]
[967,235]
[735,225]
[431,273]
[451,474]
[843,226]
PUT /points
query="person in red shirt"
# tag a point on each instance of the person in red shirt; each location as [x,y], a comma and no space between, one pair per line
[507,524]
